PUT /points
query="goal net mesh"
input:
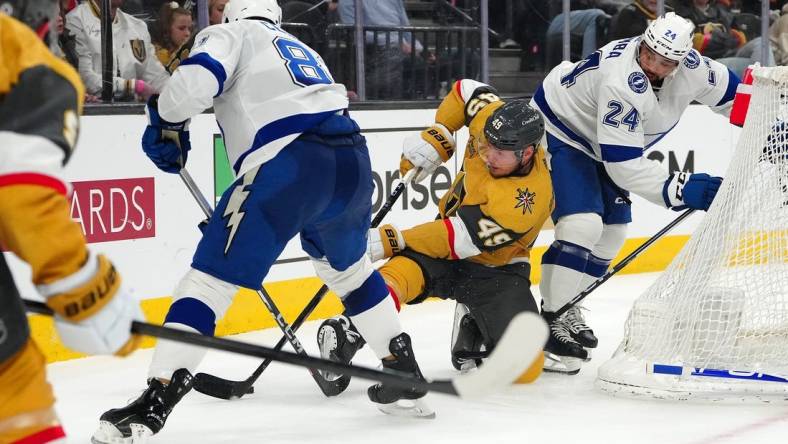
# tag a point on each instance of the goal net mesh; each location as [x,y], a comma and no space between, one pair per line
[715,323]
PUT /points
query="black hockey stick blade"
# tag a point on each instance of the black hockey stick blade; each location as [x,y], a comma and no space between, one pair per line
[222,388]
[522,341]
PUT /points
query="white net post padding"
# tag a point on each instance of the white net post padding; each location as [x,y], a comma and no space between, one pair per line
[714,326]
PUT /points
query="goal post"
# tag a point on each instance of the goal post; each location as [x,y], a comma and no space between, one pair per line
[714,325]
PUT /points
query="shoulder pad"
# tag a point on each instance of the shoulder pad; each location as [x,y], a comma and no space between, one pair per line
[480,98]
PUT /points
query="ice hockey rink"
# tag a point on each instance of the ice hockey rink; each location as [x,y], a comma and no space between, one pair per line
[288,407]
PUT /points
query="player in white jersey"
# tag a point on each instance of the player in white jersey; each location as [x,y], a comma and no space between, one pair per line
[302,167]
[601,115]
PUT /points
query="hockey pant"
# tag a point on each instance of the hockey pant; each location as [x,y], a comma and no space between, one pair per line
[493,294]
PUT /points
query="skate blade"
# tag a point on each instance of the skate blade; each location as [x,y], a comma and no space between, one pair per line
[561,364]
[408,408]
[588,358]
[468,366]
[109,434]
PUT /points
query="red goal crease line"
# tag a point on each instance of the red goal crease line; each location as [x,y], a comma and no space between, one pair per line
[678,370]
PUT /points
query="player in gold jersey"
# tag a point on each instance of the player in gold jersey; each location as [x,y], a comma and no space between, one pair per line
[40,102]
[477,251]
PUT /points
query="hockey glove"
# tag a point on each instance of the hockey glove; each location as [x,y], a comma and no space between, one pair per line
[165,143]
[93,313]
[384,242]
[427,151]
[694,191]
[776,148]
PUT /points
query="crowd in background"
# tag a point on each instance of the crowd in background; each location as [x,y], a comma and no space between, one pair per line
[150,37]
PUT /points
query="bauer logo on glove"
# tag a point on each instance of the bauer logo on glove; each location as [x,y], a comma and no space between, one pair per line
[384,242]
[426,151]
[392,236]
[446,144]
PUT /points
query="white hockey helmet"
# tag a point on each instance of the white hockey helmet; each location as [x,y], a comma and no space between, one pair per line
[236,10]
[670,36]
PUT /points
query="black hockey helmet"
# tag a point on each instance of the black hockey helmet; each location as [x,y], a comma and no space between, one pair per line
[39,15]
[514,126]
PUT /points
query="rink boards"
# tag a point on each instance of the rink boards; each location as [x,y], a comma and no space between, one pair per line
[146,221]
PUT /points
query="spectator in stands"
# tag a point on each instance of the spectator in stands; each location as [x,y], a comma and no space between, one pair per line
[215,11]
[588,26]
[503,18]
[66,43]
[332,11]
[633,19]
[386,52]
[175,28]
[754,6]
[311,14]
[716,37]
[137,71]
[611,7]
[778,36]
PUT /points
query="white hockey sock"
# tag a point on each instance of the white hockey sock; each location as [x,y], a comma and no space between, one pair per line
[170,356]
[378,325]
[562,272]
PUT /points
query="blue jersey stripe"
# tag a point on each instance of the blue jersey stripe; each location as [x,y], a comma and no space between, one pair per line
[619,153]
[194,313]
[297,123]
[730,92]
[369,294]
[566,254]
[206,61]
[541,101]
[661,135]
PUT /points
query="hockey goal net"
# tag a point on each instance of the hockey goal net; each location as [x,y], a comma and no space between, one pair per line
[714,326]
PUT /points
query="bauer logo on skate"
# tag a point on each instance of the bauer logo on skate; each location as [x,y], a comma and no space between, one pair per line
[118,209]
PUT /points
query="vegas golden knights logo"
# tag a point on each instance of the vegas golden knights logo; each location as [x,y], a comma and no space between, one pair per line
[138,49]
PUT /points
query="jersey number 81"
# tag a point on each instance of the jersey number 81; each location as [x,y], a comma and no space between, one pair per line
[304,66]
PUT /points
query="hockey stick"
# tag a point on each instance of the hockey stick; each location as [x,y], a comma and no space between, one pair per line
[522,341]
[229,389]
[594,285]
[261,292]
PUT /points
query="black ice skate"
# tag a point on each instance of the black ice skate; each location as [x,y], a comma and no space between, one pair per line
[146,415]
[579,330]
[466,340]
[562,353]
[339,341]
[395,400]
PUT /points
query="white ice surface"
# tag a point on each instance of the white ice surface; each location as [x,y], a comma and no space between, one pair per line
[288,408]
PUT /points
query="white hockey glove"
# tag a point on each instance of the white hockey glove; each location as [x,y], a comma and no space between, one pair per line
[427,151]
[694,191]
[93,313]
[384,242]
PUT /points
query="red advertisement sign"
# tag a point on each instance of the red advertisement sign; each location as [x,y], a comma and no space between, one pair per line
[117,209]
